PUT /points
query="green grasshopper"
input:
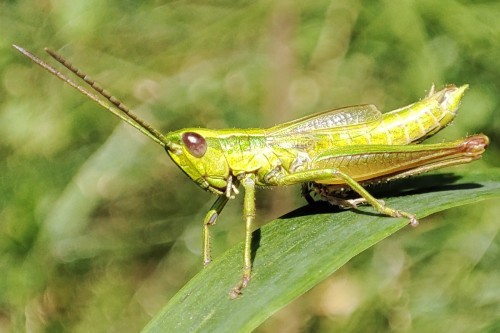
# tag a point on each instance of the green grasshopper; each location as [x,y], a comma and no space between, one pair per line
[328,152]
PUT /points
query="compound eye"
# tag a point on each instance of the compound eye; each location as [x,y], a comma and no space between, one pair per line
[195,144]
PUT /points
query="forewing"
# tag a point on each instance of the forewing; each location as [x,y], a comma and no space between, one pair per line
[329,120]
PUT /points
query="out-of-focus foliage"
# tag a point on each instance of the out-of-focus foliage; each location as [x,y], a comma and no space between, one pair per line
[98,229]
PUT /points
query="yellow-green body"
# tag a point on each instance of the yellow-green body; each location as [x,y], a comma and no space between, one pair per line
[325,140]
[328,151]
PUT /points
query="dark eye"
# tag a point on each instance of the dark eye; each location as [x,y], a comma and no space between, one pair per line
[195,143]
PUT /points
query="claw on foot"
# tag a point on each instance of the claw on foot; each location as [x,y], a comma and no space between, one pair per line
[412,218]
[237,291]
[413,221]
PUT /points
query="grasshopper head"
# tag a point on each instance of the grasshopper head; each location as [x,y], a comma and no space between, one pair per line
[199,154]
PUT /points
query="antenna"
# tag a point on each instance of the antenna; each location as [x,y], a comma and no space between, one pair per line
[110,103]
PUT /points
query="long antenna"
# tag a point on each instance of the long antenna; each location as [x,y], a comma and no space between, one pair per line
[110,103]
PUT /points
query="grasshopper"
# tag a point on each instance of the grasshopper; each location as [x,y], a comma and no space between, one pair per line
[328,153]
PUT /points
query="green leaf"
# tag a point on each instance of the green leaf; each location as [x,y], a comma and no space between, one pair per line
[297,251]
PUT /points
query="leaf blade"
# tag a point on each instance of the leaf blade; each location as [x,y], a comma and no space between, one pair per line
[299,250]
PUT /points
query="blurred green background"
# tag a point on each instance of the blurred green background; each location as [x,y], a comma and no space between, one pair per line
[98,229]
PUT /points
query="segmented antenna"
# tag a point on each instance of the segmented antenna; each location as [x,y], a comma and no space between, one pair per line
[116,106]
